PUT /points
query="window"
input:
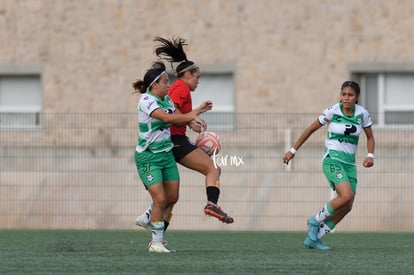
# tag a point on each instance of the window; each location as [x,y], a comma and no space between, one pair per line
[387,91]
[20,97]
[216,84]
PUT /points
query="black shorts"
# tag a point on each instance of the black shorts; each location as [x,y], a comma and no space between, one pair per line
[182,146]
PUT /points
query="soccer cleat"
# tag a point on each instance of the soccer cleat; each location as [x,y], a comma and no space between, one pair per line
[313,229]
[321,246]
[159,247]
[141,222]
[215,211]
[164,243]
[315,245]
[308,243]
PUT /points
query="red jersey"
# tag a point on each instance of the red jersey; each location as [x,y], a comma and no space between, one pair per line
[180,95]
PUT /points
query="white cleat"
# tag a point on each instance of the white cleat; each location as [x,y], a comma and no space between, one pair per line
[164,243]
[141,222]
[159,248]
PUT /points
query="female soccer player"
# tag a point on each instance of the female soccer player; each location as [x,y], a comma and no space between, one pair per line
[153,156]
[345,121]
[185,152]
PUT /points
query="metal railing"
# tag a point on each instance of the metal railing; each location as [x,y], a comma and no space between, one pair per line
[78,171]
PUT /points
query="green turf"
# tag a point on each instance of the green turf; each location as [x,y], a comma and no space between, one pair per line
[123,252]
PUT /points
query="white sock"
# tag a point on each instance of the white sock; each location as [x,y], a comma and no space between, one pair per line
[323,230]
[157,229]
[147,215]
[322,214]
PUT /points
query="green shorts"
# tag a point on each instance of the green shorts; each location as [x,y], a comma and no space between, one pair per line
[337,172]
[155,168]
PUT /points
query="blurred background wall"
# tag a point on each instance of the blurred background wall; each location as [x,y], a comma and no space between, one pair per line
[68,124]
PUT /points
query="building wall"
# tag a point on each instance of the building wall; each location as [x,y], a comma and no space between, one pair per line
[290,56]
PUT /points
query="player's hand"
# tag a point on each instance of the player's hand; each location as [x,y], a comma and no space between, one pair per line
[196,127]
[205,106]
[368,162]
[288,156]
[202,124]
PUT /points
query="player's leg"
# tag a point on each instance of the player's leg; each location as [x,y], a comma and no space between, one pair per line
[343,202]
[337,176]
[143,162]
[144,219]
[342,178]
[150,169]
[157,218]
[171,184]
[330,223]
[171,187]
[342,212]
[192,157]
[199,161]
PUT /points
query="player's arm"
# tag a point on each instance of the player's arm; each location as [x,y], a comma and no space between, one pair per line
[204,107]
[176,118]
[195,125]
[369,160]
[301,140]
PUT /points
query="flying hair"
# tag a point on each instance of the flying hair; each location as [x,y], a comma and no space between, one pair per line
[171,50]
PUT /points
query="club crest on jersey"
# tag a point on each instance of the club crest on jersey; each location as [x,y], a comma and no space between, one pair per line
[359,119]
[150,177]
[339,175]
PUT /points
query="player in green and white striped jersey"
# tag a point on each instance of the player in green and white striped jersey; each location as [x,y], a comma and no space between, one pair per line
[345,121]
[154,134]
[154,159]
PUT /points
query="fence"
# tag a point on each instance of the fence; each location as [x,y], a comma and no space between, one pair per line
[76,171]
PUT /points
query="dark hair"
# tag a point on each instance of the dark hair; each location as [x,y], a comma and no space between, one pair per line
[141,86]
[172,51]
[353,85]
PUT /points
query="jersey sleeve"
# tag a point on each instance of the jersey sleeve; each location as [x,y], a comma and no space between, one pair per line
[367,121]
[326,115]
[148,104]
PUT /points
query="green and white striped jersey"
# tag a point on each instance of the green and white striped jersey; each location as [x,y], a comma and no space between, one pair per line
[343,131]
[154,134]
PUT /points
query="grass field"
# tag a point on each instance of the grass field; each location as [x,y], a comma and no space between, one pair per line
[123,252]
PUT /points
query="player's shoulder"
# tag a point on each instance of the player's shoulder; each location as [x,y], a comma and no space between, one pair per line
[146,97]
[178,86]
[336,108]
[146,101]
[360,109]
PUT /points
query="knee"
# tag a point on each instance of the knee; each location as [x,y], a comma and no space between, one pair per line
[212,169]
[173,200]
[348,200]
[349,205]
[161,203]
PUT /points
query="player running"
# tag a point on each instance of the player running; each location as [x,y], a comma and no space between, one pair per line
[345,121]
